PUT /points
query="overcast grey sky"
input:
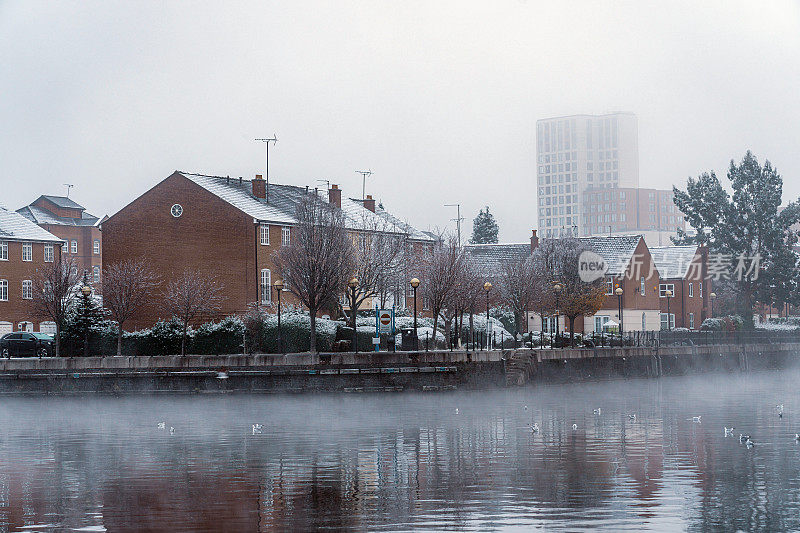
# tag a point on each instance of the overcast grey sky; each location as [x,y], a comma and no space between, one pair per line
[439,99]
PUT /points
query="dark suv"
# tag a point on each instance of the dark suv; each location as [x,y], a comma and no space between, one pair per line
[23,343]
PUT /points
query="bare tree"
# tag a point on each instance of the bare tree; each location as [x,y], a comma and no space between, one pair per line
[577,298]
[54,293]
[318,261]
[441,271]
[191,295]
[516,286]
[377,251]
[127,286]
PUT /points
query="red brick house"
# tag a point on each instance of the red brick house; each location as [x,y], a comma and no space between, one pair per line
[24,248]
[222,226]
[683,271]
[69,221]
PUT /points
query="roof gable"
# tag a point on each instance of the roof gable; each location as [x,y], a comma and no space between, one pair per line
[673,262]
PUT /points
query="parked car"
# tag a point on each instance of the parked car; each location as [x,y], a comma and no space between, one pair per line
[23,343]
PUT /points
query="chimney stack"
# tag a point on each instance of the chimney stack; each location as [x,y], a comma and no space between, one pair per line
[335,196]
[534,241]
[369,203]
[259,187]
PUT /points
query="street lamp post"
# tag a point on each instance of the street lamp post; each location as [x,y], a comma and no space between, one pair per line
[278,289]
[618,292]
[86,290]
[353,283]
[414,285]
[557,288]
[487,287]
[713,297]
[668,294]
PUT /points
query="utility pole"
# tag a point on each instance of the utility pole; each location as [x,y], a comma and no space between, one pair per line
[364,174]
[68,186]
[274,140]
[458,220]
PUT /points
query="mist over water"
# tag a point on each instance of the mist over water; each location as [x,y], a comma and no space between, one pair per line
[463,460]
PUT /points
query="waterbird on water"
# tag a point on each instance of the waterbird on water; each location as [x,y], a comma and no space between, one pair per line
[456,410]
[171,430]
[729,432]
[534,427]
[749,443]
[743,438]
[524,407]
[632,417]
[257,429]
[162,425]
[574,426]
[797,436]
[696,419]
[597,411]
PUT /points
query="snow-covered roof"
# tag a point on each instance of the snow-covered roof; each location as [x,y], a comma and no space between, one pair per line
[616,251]
[15,227]
[490,258]
[672,262]
[63,202]
[39,215]
[283,201]
[413,233]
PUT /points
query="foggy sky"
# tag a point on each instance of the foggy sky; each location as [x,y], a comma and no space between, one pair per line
[439,99]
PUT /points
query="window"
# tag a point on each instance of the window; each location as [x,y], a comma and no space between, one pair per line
[600,322]
[664,287]
[285,236]
[3,290]
[48,253]
[609,287]
[691,290]
[96,247]
[263,231]
[700,288]
[3,250]
[664,323]
[641,286]
[96,273]
[74,247]
[27,289]
[27,251]
[426,303]
[176,210]
[266,286]
[691,320]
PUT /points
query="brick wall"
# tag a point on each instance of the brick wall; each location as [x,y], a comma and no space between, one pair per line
[15,270]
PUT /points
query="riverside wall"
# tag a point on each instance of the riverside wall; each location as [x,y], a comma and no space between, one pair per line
[376,372]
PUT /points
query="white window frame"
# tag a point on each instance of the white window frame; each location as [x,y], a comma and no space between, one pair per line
[27,251]
[266,286]
[609,287]
[691,320]
[700,288]
[642,286]
[3,250]
[3,290]
[96,273]
[671,319]
[27,289]
[96,247]
[664,287]
[691,290]
[49,253]
[73,246]
[263,232]
[600,321]
[286,236]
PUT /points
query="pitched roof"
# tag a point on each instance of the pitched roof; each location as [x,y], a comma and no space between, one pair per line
[413,233]
[490,258]
[672,262]
[15,227]
[63,201]
[39,215]
[283,201]
[616,250]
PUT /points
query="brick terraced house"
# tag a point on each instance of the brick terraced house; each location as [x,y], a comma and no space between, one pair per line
[69,221]
[24,248]
[683,272]
[227,228]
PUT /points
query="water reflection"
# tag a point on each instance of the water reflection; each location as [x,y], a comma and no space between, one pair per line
[400,461]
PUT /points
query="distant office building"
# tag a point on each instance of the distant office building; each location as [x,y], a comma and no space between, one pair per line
[651,213]
[578,153]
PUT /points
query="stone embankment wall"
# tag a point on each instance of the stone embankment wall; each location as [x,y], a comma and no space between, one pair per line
[375,372]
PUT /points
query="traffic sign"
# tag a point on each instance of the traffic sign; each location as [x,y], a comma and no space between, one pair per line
[384,321]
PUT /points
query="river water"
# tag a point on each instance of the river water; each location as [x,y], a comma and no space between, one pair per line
[447,461]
